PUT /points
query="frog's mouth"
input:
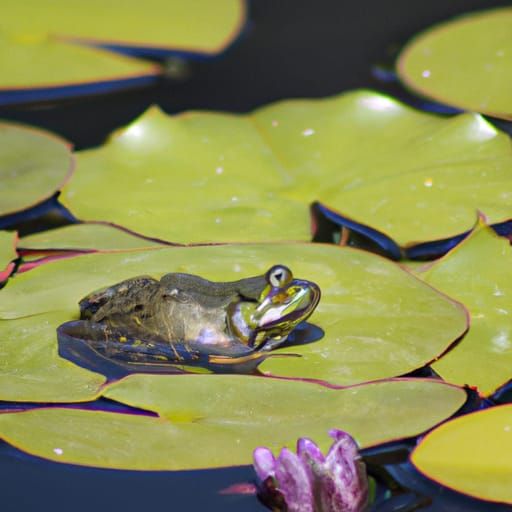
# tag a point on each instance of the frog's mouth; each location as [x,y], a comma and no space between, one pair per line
[277,316]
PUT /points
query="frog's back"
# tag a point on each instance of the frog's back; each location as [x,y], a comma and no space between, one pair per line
[120,298]
[210,293]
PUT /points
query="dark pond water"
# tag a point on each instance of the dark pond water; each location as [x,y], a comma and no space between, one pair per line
[291,48]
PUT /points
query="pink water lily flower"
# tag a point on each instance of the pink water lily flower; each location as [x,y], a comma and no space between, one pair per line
[308,481]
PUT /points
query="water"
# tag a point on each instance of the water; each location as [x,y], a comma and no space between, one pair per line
[292,48]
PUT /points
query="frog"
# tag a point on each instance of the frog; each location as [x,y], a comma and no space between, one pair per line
[148,324]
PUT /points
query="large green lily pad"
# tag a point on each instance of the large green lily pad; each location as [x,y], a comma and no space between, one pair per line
[202,177]
[41,56]
[8,254]
[41,62]
[203,27]
[34,164]
[464,62]
[378,319]
[214,421]
[87,236]
[476,273]
[471,454]
[32,371]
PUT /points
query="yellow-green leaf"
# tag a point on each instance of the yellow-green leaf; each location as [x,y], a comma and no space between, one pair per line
[53,49]
[86,236]
[7,253]
[476,273]
[31,62]
[471,454]
[34,164]
[32,371]
[464,62]
[202,26]
[215,421]
[203,177]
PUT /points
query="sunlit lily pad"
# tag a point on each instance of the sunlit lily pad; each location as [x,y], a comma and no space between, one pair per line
[477,274]
[31,370]
[202,177]
[42,59]
[34,164]
[377,318]
[464,62]
[85,237]
[7,254]
[471,454]
[213,421]
[201,27]
[38,67]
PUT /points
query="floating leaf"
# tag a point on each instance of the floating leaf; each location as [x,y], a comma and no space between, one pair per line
[477,274]
[412,175]
[377,318]
[471,454]
[173,25]
[31,370]
[214,421]
[85,237]
[41,59]
[7,254]
[40,68]
[464,62]
[34,164]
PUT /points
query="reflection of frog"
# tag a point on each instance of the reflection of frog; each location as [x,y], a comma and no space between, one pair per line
[185,319]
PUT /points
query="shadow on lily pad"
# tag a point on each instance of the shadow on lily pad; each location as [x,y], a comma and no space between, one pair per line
[332,226]
[96,347]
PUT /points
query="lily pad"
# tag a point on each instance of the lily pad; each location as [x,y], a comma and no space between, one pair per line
[377,318]
[38,67]
[32,371]
[471,454]
[209,177]
[477,273]
[86,236]
[7,254]
[215,421]
[177,25]
[42,58]
[464,62]
[28,177]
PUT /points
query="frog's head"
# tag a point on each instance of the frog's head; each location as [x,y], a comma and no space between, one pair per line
[284,302]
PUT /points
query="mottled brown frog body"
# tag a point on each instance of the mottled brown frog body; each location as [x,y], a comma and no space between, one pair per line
[188,320]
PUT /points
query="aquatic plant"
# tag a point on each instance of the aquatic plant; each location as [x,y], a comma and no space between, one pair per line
[308,481]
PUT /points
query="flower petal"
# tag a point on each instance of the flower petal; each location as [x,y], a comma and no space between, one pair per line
[305,445]
[342,483]
[264,463]
[294,482]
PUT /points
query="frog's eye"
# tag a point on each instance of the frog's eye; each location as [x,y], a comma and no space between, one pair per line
[279,276]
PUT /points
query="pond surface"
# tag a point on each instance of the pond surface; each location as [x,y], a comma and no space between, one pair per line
[291,48]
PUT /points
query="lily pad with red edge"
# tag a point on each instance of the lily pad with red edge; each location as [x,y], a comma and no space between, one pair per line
[52,53]
[464,62]
[358,235]
[471,454]
[34,164]
[376,318]
[87,236]
[8,254]
[203,27]
[40,68]
[30,368]
[217,420]
[476,273]
[408,175]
